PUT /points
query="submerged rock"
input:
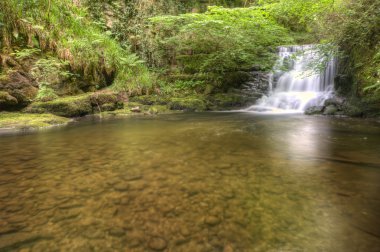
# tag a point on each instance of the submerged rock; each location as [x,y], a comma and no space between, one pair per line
[212,220]
[157,243]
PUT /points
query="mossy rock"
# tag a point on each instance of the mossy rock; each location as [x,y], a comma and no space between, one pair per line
[150,99]
[330,110]
[314,110]
[188,104]
[230,100]
[25,120]
[100,98]
[73,106]
[235,79]
[7,100]
[158,109]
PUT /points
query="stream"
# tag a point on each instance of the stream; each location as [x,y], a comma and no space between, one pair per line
[193,182]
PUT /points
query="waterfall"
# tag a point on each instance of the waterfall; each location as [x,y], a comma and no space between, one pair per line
[293,86]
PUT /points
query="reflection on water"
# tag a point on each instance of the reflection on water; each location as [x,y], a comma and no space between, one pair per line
[193,182]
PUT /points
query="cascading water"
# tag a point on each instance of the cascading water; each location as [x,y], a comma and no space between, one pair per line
[297,88]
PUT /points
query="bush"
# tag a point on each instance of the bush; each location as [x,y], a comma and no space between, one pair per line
[220,41]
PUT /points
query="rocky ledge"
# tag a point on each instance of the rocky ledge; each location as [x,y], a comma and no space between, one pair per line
[351,107]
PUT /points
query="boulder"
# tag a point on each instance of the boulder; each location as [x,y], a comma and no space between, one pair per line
[330,110]
[7,100]
[20,86]
[314,110]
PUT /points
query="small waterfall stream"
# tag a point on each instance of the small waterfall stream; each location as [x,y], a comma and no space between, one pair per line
[298,87]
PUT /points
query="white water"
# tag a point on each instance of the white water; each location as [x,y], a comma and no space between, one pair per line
[295,90]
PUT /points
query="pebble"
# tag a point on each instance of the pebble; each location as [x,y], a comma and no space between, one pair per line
[212,220]
[117,231]
[184,231]
[121,187]
[93,233]
[4,195]
[133,177]
[157,243]
[228,248]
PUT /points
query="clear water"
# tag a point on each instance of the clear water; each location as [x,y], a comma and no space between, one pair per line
[298,87]
[193,182]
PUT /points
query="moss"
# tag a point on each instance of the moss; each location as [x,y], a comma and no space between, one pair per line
[188,103]
[24,120]
[68,107]
[150,99]
[80,105]
[230,100]
[6,99]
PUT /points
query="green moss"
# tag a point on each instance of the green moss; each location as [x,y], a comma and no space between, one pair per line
[6,99]
[231,100]
[150,99]
[68,107]
[24,120]
[80,105]
[188,104]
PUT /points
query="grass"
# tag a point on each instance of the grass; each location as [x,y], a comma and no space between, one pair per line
[10,120]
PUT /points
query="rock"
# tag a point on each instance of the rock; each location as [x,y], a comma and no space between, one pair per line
[330,110]
[136,109]
[72,106]
[93,233]
[184,231]
[212,220]
[6,100]
[157,243]
[15,240]
[133,177]
[314,110]
[336,101]
[188,104]
[121,187]
[117,231]
[18,89]
[4,195]
[228,248]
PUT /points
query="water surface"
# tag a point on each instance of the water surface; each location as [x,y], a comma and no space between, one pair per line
[193,182]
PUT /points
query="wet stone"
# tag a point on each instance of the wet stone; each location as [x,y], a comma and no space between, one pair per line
[157,244]
[117,231]
[228,248]
[69,205]
[93,233]
[17,219]
[6,228]
[124,201]
[4,195]
[212,220]
[229,194]
[182,240]
[133,177]
[121,187]
[184,231]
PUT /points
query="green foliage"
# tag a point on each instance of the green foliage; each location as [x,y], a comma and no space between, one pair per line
[220,41]
[49,72]
[298,15]
[356,30]
[64,27]
[25,53]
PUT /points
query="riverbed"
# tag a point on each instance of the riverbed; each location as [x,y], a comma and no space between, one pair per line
[193,182]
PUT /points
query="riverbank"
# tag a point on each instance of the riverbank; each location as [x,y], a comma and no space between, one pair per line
[61,111]
[108,104]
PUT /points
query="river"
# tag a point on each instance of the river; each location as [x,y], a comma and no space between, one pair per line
[193,182]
